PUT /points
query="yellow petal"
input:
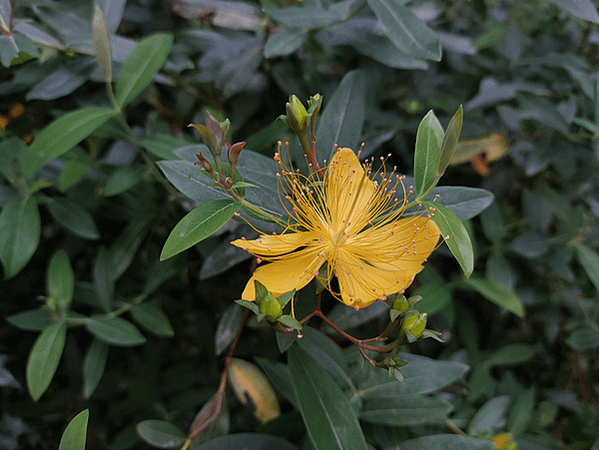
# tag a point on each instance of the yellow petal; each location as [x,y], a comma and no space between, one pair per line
[274,245]
[348,189]
[291,272]
[367,271]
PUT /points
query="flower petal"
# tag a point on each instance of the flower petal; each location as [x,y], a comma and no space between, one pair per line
[367,271]
[274,245]
[348,189]
[291,272]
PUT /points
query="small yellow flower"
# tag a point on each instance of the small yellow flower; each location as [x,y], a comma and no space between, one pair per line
[350,222]
[504,441]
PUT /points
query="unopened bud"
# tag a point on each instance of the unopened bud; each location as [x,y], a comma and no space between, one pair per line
[401,304]
[314,104]
[296,115]
[208,138]
[215,127]
[204,163]
[270,307]
[415,324]
[234,151]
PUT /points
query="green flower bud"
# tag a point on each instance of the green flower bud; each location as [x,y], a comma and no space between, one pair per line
[415,324]
[270,307]
[401,304]
[296,115]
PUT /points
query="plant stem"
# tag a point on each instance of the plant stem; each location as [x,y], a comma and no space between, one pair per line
[217,403]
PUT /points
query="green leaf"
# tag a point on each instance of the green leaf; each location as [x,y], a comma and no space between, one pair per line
[247,441]
[152,319]
[73,217]
[405,30]
[61,280]
[104,278]
[447,442]
[20,228]
[421,376]
[62,135]
[489,415]
[586,338]
[521,411]
[32,320]
[94,364]
[279,376]
[327,354]
[227,327]
[160,433]
[464,202]
[458,241]
[114,330]
[542,110]
[163,145]
[498,294]
[583,9]
[102,43]
[589,260]
[429,139]
[72,172]
[284,42]
[198,225]
[141,66]
[330,419]
[450,141]
[74,435]
[511,354]
[404,410]
[44,358]
[123,179]
[307,16]
[341,121]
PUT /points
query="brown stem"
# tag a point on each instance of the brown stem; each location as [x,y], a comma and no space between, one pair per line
[217,403]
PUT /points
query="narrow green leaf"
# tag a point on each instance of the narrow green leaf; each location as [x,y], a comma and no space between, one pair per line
[450,141]
[114,331]
[152,319]
[585,338]
[32,320]
[488,415]
[498,294]
[102,43]
[457,240]
[284,42]
[240,441]
[511,354]
[198,225]
[20,228]
[60,279]
[104,278]
[123,179]
[405,410]
[94,364]
[429,139]
[447,442]
[279,376]
[343,117]
[74,435]
[141,66]
[73,217]
[44,358]
[589,260]
[330,419]
[160,433]
[62,135]
[521,411]
[72,172]
[405,30]
[227,327]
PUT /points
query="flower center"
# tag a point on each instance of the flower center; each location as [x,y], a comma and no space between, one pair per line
[338,238]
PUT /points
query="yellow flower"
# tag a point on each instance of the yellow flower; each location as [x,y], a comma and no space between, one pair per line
[350,222]
[504,441]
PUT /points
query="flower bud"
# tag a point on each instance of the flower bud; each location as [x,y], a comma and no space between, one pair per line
[314,104]
[296,115]
[204,164]
[234,151]
[208,138]
[401,304]
[415,324]
[270,307]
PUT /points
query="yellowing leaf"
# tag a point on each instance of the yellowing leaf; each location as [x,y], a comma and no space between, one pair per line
[493,147]
[246,379]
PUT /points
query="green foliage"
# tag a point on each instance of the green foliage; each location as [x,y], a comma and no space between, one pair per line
[119,282]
